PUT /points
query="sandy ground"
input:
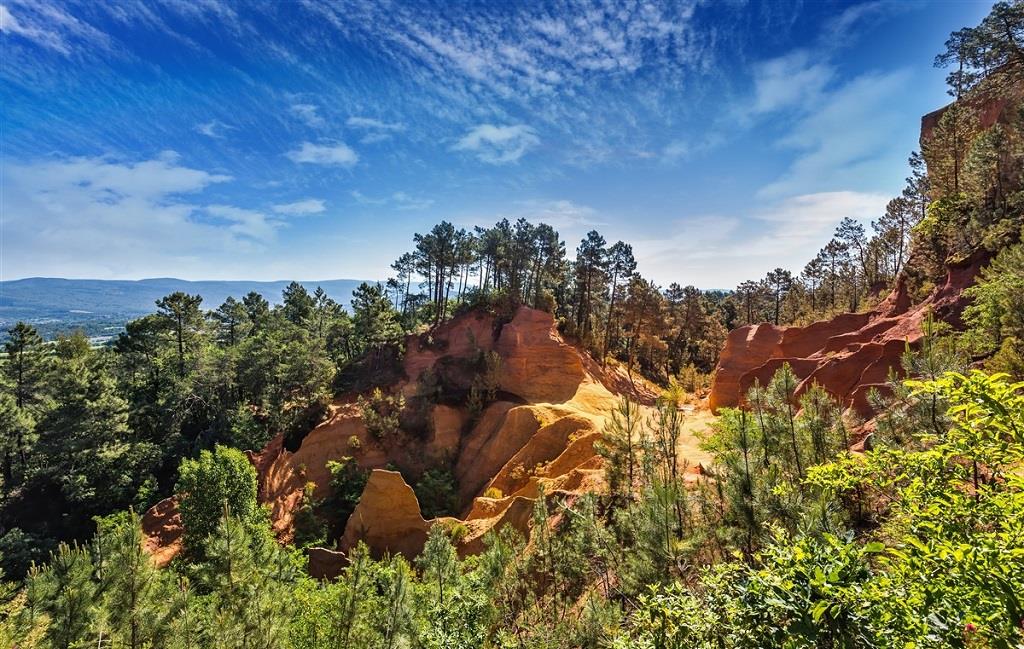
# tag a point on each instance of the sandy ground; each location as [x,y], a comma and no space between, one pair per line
[695,423]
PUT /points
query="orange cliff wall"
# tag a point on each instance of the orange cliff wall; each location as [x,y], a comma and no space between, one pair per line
[848,354]
[539,434]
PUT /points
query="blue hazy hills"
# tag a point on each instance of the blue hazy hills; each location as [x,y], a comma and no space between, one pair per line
[101,307]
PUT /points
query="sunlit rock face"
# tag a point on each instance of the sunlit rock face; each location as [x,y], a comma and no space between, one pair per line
[852,353]
[847,355]
[537,436]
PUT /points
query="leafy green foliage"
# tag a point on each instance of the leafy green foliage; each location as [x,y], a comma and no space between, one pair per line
[347,483]
[996,313]
[437,491]
[381,413]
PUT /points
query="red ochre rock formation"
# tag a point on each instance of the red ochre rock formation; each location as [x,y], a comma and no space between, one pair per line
[162,527]
[848,354]
[388,517]
[539,435]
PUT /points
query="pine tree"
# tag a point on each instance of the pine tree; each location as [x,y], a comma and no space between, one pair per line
[65,592]
[439,563]
[25,373]
[134,590]
[232,321]
[182,315]
[297,304]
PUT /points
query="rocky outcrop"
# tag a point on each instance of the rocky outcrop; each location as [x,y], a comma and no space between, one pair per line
[387,517]
[324,563]
[540,432]
[536,364]
[537,437]
[847,355]
[162,528]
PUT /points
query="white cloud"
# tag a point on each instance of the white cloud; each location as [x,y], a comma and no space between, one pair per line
[102,217]
[367,200]
[807,221]
[374,130]
[675,150]
[374,124]
[790,81]
[212,129]
[300,208]
[559,213]
[398,200]
[853,132]
[406,202]
[720,251]
[9,24]
[339,154]
[308,114]
[246,223]
[498,144]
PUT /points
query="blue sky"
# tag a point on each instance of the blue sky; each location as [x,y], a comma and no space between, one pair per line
[205,139]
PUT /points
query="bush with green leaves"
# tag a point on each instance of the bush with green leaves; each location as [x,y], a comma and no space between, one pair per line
[347,483]
[217,481]
[437,492]
[943,570]
[381,413]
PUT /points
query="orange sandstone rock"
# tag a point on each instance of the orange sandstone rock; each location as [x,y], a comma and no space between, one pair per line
[162,528]
[848,354]
[387,517]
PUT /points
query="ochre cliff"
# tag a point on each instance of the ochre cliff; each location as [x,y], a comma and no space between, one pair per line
[551,405]
[852,353]
[849,354]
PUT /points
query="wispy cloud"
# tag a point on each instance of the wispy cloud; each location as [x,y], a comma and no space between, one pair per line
[850,131]
[398,200]
[309,114]
[9,24]
[373,124]
[562,213]
[568,67]
[339,154]
[301,208]
[722,250]
[791,81]
[498,144]
[212,129]
[244,222]
[676,150]
[807,220]
[374,130]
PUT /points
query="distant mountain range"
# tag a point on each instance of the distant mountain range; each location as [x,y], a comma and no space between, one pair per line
[101,307]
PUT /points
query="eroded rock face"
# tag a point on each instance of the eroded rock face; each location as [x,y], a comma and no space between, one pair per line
[538,437]
[847,355]
[540,432]
[536,364]
[163,530]
[387,517]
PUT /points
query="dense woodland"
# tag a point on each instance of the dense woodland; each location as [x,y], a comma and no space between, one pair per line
[790,540]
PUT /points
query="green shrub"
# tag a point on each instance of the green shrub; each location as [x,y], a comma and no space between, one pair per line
[208,485]
[381,413]
[436,491]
